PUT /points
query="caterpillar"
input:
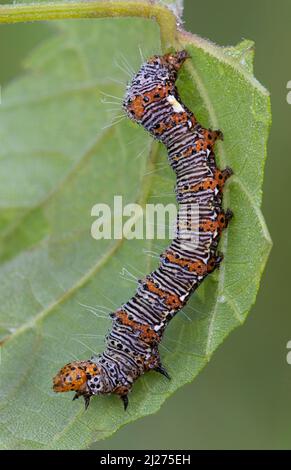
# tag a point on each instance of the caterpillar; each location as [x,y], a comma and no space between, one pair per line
[153,101]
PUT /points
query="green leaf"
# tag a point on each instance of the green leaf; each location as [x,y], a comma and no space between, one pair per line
[56,162]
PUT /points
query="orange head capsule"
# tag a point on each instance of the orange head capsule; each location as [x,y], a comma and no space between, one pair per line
[77,376]
[71,377]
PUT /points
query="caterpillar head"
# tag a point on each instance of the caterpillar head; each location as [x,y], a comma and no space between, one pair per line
[86,378]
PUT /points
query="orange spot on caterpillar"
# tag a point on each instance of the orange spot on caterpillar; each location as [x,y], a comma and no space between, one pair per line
[147,334]
[193,266]
[172,300]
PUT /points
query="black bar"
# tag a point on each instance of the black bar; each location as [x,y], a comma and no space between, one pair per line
[146,459]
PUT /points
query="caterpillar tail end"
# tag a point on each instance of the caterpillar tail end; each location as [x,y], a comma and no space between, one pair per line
[176,60]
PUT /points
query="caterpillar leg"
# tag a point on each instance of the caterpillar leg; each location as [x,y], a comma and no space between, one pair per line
[162,371]
[224,218]
[217,225]
[214,262]
[124,399]
[211,136]
[228,215]
[207,140]
[221,176]
[226,173]
[214,135]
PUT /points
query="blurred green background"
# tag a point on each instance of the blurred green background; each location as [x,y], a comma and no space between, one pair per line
[242,399]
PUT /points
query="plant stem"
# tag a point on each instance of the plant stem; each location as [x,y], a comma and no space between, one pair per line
[94,9]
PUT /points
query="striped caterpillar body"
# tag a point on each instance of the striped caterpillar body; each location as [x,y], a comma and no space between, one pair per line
[152,100]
